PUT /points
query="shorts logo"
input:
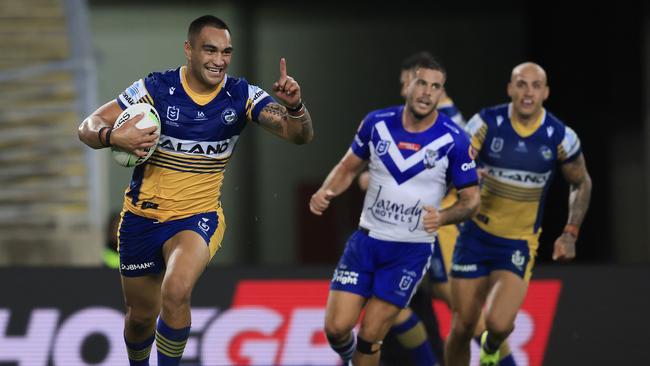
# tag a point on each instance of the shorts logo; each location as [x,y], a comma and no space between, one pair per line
[382,147]
[464,267]
[345,277]
[228,116]
[133,267]
[430,157]
[203,226]
[405,283]
[518,259]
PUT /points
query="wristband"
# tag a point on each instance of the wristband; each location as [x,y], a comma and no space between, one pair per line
[296,108]
[99,135]
[108,136]
[571,229]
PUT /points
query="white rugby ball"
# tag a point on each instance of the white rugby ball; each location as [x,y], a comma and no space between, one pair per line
[149,119]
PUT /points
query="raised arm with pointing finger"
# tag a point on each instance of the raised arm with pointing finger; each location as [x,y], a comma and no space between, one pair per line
[290,119]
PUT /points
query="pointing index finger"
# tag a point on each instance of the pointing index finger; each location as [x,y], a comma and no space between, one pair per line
[283,68]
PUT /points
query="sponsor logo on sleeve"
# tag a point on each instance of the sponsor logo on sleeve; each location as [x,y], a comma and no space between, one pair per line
[256,94]
[134,93]
[467,166]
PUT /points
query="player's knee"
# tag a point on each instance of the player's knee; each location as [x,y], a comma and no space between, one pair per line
[368,347]
[176,293]
[463,328]
[373,332]
[337,331]
[499,328]
[140,323]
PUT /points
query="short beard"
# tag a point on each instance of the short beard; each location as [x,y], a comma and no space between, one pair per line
[421,116]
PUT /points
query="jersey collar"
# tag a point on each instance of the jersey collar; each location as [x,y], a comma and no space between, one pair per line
[200,99]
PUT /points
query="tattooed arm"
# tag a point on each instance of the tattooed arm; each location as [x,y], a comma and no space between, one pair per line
[295,127]
[575,172]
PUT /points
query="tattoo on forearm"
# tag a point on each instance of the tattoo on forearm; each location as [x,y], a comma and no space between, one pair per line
[276,119]
[576,174]
[307,131]
[579,198]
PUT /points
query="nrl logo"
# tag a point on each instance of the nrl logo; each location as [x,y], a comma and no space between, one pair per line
[382,147]
[497,144]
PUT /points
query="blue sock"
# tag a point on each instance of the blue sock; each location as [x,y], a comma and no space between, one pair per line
[413,336]
[170,343]
[139,352]
[507,361]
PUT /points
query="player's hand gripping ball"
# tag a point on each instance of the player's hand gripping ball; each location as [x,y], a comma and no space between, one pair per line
[150,118]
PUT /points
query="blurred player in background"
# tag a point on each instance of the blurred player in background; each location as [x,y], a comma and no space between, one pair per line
[413,152]
[519,145]
[417,323]
[172,221]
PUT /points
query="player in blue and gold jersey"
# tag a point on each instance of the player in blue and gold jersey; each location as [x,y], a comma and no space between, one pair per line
[172,221]
[519,146]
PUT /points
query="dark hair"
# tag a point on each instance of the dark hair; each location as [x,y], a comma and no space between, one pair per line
[422,59]
[205,21]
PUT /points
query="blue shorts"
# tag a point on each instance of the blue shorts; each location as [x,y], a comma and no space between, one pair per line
[387,270]
[478,253]
[141,239]
[438,271]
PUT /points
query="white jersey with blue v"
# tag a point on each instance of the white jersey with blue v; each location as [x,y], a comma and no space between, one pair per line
[409,170]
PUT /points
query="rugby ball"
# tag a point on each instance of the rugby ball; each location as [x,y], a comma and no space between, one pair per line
[149,119]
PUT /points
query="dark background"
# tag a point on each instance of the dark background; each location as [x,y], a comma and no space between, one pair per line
[346,56]
[593,57]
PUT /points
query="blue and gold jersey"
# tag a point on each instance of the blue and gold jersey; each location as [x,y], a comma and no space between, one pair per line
[520,163]
[447,106]
[198,135]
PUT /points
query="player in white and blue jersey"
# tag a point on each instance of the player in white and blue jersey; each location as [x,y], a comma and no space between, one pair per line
[413,152]
[172,222]
[519,145]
